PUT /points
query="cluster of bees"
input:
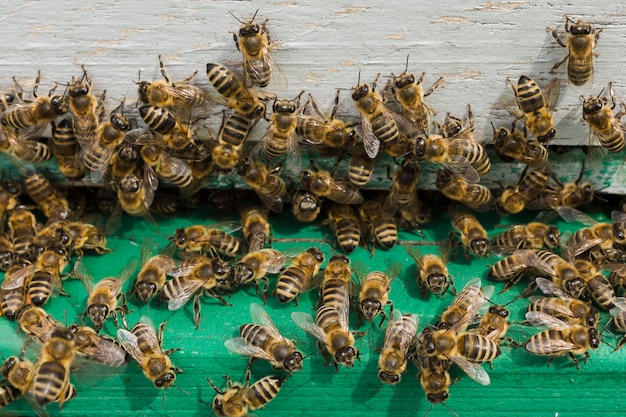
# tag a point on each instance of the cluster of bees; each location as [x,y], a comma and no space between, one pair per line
[133,149]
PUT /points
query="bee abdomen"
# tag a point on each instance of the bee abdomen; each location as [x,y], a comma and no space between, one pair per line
[263,391]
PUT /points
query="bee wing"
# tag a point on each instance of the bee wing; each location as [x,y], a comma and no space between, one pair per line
[261,145]
[129,342]
[240,346]
[151,338]
[508,101]
[551,347]
[274,264]
[344,193]
[619,306]
[531,260]
[401,330]
[105,351]
[150,183]
[618,216]
[570,215]
[189,288]
[461,166]
[83,274]
[125,274]
[473,370]
[176,166]
[101,167]
[260,316]
[307,323]
[293,160]
[273,202]
[18,278]
[393,271]
[550,288]
[227,226]
[34,132]
[538,318]
[371,143]
[278,80]
[414,252]
[183,94]
[552,93]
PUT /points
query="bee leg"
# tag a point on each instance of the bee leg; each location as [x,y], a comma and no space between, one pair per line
[325,354]
[160,332]
[432,88]
[265,31]
[236,39]
[169,352]
[250,362]
[529,290]
[514,280]
[451,285]
[383,317]
[575,360]
[511,341]
[558,64]
[556,36]
[196,310]
[621,343]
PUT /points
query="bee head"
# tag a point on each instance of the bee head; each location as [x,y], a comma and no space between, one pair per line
[370,308]
[165,381]
[388,378]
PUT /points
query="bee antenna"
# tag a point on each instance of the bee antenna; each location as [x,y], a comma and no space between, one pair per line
[358,80]
[237,19]
[406,66]
[255,13]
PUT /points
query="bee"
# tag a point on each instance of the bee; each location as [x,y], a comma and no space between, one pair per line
[46,274]
[514,145]
[570,194]
[409,93]
[105,294]
[45,195]
[178,95]
[604,125]
[85,107]
[399,338]
[565,275]
[597,241]
[153,272]
[298,277]
[166,166]
[494,324]
[109,136]
[259,68]
[18,374]
[135,193]
[217,237]
[618,321]
[383,230]
[598,286]
[534,235]
[256,229]
[435,379]
[415,216]
[403,190]
[255,266]
[306,206]
[280,137]
[30,118]
[173,131]
[51,381]
[102,349]
[234,131]
[433,273]
[9,199]
[143,344]
[234,92]
[474,196]
[513,267]
[322,184]
[473,234]
[361,167]
[262,340]
[535,108]
[6,252]
[36,322]
[22,152]
[22,230]
[238,398]
[559,304]
[270,188]
[196,276]
[83,236]
[378,122]
[373,289]
[322,131]
[530,185]
[345,224]
[562,338]
[12,300]
[65,149]
[581,41]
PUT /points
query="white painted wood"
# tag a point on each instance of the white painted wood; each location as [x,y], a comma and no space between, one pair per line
[474,45]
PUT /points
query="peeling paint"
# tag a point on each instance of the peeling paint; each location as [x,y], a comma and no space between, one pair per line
[396,37]
[502,6]
[454,19]
[312,77]
[347,10]
[465,75]
[348,63]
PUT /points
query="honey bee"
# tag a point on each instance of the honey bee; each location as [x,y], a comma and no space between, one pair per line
[238,398]
[618,321]
[22,152]
[403,190]
[280,137]
[135,193]
[45,195]
[514,145]
[298,277]
[409,93]
[466,306]
[473,234]
[216,237]
[18,377]
[531,183]
[175,95]
[196,276]
[22,229]
[581,41]
[559,304]
[322,183]
[259,68]
[12,300]
[153,272]
[143,343]
[383,230]
[9,199]
[373,289]
[233,134]
[494,324]
[435,379]
[85,107]
[109,135]
[262,340]
[562,338]
[378,122]
[46,274]
[534,107]
[6,253]
[598,240]
[256,229]
[605,126]
[321,131]
[105,294]
[474,196]
[51,380]
[171,168]
[345,224]
[64,148]
[234,92]
[30,118]
[174,132]
[570,194]
[433,273]
[102,349]
[255,266]
[306,206]
[565,275]
[534,235]
[270,188]
[83,236]
[512,268]
[399,338]
[36,322]
[598,286]
[361,167]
